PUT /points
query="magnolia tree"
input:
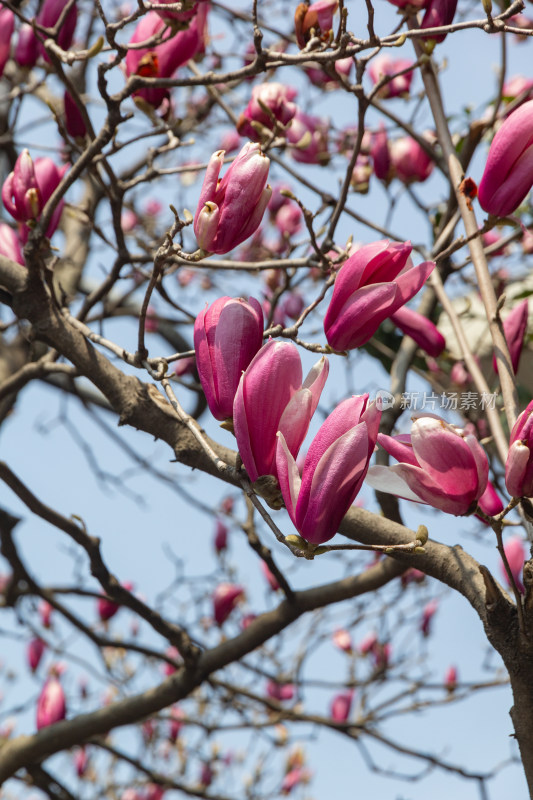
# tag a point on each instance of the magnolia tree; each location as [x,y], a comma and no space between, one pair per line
[179,237]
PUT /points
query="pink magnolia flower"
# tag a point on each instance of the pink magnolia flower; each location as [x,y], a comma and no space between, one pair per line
[439,465]
[225,598]
[412,575]
[439,13]
[428,613]
[231,209]
[379,151]
[515,329]
[341,705]
[334,469]
[206,775]
[317,16]
[51,705]
[7,26]
[74,123]
[272,398]
[277,99]
[81,761]
[28,188]
[342,639]
[153,791]
[293,778]
[269,576]
[176,722]
[322,79]
[185,366]
[231,141]
[409,160]
[371,285]
[36,648]
[421,329]
[10,244]
[221,537]
[515,553]
[108,608]
[517,86]
[386,67]
[309,137]
[49,16]
[280,691]
[407,4]
[288,219]
[519,464]
[490,502]
[361,174]
[508,173]
[173,653]
[45,613]
[162,60]
[27,47]
[227,335]
[450,678]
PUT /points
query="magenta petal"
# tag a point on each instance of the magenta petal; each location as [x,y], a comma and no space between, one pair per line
[294,422]
[444,456]
[335,483]
[515,468]
[401,451]
[411,281]
[350,275]
[391,481]
[288,476]
[242,433]
[360,317]
[209,185]
[420,329]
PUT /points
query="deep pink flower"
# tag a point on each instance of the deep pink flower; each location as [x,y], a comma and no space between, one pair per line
[361,174]
[320,78]
[225,598]
[293,778]
[405,4]
[515,329]
[271,398]
[409,160]
[162,60]
[280,691]
[28,188]
[269,576]
[45,613]
[173,653]
[48,17]
[412,575]
[10,244]
[517,86]
[51,705]
[27,47]
[379,151]
[508,173]
[81,761]
[450,678]
[428,613]
[384,67]
[108,608]
[277,98]
[36,648]
[439,465]
[309,135]
[317,16]
[371,285]
[515,553]
[288,219]
[519,464]
[231,209]
[421,329]
[334,469]
[341,705]
[7,26]
[74,123]
[221,537]
[176,722]
[439,13]
[490,502]
[206,775]
[227,335]
[342,639]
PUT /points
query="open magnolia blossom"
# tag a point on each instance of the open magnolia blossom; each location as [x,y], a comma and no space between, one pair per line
[439,465]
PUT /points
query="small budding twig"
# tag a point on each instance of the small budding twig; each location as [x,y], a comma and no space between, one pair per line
[310,550]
